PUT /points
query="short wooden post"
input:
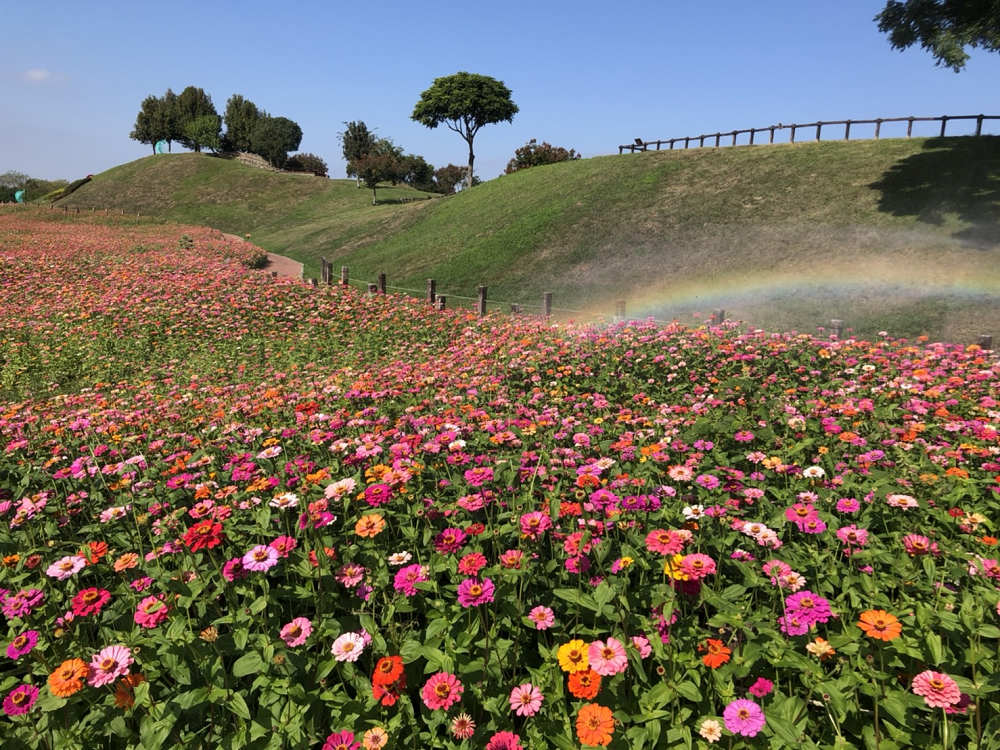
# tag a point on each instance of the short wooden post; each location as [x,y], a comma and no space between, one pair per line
[78,210]
[481,305]
[909,127]
[701,141]
[274,274]
[793,133]
[752,131]
[944,122]
[431,285]
[372,288]
[381,283]
[514,308]
[979,125]
[324,271]
[312,282]
[878,127]
[547,304]
[658,145]
[343,275]
[123,212]
[671,144]
[620,310]
[717,137]
[687,142]
[771,140]
[620,150]
[847,130]
[819,128]
[986,342]
[440,302]
[838,327]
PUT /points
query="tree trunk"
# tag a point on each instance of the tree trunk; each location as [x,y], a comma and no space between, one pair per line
[358,178]
[374,196]
[472,158]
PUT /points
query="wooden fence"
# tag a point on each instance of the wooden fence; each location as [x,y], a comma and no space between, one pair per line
[641,145]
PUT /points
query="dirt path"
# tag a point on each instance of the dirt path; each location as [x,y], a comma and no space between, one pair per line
[284,267]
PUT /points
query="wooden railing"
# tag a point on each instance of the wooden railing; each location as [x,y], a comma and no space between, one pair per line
[641,145]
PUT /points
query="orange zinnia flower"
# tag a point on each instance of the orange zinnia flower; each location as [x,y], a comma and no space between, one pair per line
[68,677]
[370,525]
[595,724]
[877,623]
[585,684]
[718,653]
[124,694]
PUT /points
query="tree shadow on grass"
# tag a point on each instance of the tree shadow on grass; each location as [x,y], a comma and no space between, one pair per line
[959,176]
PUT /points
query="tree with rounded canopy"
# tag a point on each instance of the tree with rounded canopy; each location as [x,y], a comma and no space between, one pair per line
[192,104]
[357,140]
[531,154]
[242,116]
[465,102]
[942,27]
[274,137]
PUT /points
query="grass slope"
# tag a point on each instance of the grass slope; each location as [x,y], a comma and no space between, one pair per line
[897,234]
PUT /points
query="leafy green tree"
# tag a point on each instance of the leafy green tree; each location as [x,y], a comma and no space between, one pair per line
[446,178]
[274,137]
[531,154]
[465,102]
[415,171]
[171,119]
[942,27]
[16,180]
[203,132]
[152,123]
[377,166]
[357,140]
[306,162]
[192,104]
[241,117]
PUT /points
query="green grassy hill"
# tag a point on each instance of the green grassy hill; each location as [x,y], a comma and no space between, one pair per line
[900,235]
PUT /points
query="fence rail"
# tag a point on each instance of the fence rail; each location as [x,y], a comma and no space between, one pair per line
[641,145]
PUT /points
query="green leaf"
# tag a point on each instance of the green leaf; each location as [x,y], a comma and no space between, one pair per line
[688,690]
[236,704]
[783,729]
[250,663]
[935,649]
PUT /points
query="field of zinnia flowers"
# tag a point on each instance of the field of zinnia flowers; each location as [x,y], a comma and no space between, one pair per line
[238,512]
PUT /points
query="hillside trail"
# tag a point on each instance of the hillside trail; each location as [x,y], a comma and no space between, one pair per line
[283,266]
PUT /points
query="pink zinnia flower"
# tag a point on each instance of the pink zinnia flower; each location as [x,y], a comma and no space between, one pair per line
[296,632]
[407,578]
[526,700]
[761,687]
[697,566]
[22,644]
[108,665]
[664,542]
[534,524]
[504,741]
[463,727]
[348,647]
[234,570]
[283,545]
[848,505]
[441,691]
[744,717]
[378,494]
[472,563]
[22,603]
[852,536]
[64,567]
[472,592]
[607,657]
[641,644]
[708,481]
[260,558]
[449,541]
[342,740]
[544,618]
[917,544]
[20,700]
[151,611]
[938,689]
[351,574]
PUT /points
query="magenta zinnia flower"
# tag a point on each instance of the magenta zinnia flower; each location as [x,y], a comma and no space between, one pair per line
[22,644]
[20,700]
[108,665]
[607,657]
[761,687]
[260,558]
[407,578]
[504,741]
[472,592]
[744,717]
[441,691]
[938,689]
[151,611]
[296,632]
[342,740]
[526,700]
[449,541]
[234,570]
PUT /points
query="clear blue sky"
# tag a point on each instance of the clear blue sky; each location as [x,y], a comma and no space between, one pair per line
[586,75]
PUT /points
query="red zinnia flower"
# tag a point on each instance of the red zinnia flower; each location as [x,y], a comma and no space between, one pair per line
[90,601]
[387,670]
[718,653]
[204,535]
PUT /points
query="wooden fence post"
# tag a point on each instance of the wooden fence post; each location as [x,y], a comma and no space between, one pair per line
[986,342]
[431,284]
[381,283]
[793,133]
[671,144]
[772,134]
[878,127]
[514,308]
[312,282]
[847,130]
[620,150]
[440,302]
[343,275]
[482,301]
[701,141]
[687,142]
[979,125]
[752,131]
[909,127]
[717,137]
[324,271]
[372,288]
[944,122]
[734,137]
[819,127]
[838,327]
[547,304]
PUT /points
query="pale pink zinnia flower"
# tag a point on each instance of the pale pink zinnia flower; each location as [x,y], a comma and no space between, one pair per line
[607,657]
[65,567]
[938,690]
[697,566]
[260,558]
[641,644]
[296,632]
[526,700]
[463,727]
[543,617]
[108,665]
[348,647]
